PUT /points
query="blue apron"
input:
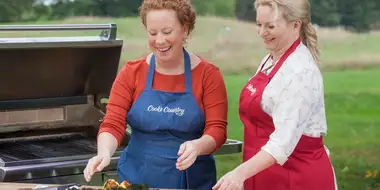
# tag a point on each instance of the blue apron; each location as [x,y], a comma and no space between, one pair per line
[161,122]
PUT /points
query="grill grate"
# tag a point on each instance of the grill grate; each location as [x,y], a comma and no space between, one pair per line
[47,149]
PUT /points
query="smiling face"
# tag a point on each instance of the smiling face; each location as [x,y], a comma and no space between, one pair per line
[275,31]
[165,34]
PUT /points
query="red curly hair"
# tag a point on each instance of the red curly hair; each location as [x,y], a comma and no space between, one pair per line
[185,13]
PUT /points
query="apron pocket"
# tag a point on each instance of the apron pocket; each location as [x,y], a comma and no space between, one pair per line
[162,173]
[131,168]
[202,174]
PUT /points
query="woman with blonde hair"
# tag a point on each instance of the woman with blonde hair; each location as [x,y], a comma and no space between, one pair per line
[282,107]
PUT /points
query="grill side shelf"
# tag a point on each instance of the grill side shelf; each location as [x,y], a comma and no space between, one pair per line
[230,147]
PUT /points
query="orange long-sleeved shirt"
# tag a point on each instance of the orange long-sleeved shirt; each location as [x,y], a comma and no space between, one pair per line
[208,88]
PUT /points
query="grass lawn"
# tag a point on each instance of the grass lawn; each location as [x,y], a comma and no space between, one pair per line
[352,105]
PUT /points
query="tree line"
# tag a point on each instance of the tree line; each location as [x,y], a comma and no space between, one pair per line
[360,16]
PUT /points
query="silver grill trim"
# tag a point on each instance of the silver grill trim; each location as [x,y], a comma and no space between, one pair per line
[25,117]
[53,118]
[62,168]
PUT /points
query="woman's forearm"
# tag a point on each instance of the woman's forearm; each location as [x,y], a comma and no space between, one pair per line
[107,144]
[205,145]
[256,164]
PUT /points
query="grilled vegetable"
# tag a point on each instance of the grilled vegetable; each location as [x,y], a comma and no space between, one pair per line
[125,184]
[112,184]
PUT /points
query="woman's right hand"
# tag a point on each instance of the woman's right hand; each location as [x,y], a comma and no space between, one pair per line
[95,164]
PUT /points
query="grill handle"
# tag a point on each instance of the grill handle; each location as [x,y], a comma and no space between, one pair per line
[47,169]
[109,31]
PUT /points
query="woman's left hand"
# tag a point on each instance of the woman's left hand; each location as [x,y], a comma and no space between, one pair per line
[231,181]
[188,152]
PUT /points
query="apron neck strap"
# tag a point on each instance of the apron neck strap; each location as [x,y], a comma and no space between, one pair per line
[289,51]
[152,66]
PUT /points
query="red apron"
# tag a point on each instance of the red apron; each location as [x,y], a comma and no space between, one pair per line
[307,168]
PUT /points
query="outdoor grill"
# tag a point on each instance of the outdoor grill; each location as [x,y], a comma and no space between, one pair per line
[51,103]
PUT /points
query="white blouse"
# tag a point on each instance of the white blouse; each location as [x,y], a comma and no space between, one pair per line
[295,100]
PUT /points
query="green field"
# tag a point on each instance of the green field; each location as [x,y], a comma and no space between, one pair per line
[234,46]
[352,85]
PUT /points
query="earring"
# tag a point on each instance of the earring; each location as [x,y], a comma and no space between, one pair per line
[184,43]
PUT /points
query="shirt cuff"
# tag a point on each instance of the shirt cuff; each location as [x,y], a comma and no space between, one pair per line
[276,151]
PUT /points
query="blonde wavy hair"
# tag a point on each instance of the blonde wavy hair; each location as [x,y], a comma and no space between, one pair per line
[297,10]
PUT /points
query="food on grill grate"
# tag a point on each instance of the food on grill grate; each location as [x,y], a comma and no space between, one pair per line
[112,184]
[125,184]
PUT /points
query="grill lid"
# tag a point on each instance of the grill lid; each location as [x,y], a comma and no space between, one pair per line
[35,68]
[56,82]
